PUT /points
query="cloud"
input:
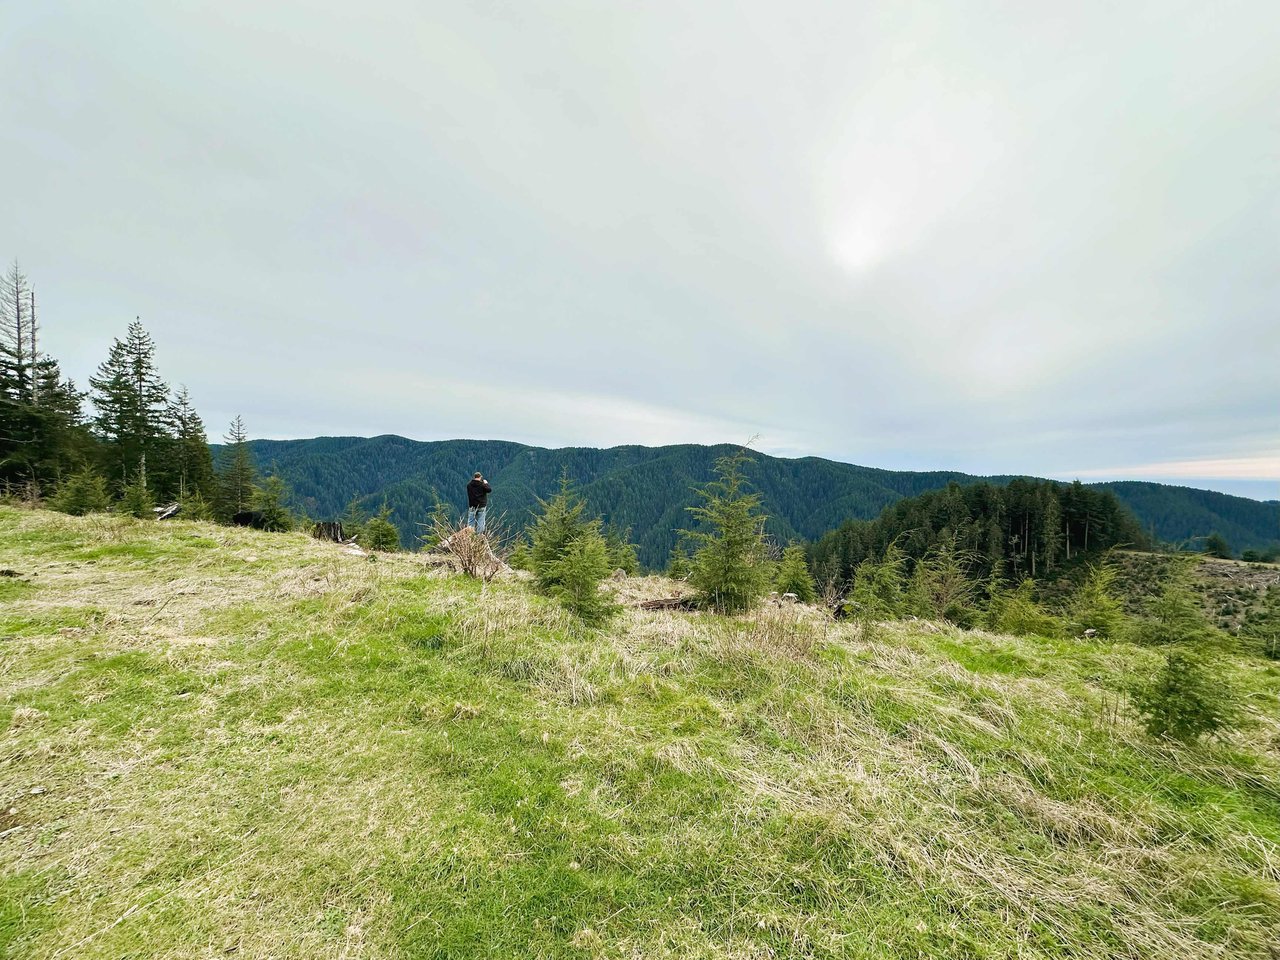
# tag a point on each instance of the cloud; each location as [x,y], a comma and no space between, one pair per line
[1033,239]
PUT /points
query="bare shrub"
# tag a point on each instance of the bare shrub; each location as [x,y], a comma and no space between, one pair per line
[479,555]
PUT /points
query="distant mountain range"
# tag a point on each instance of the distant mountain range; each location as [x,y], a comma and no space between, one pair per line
[648,488]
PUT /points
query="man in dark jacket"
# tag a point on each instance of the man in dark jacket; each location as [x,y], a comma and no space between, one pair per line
[478,491]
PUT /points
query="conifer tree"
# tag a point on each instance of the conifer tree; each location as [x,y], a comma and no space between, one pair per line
[84,492]
[380,533]
[622,552]
[193,461]
[131,403]
[17,335]
[136,500]
[730,567]
[794,576]
[237,473]
[576,574]
[269,500]
[559,524]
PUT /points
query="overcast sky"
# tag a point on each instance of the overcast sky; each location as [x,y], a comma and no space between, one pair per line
[1028,237]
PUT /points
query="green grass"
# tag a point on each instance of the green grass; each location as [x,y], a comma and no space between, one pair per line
[222,743]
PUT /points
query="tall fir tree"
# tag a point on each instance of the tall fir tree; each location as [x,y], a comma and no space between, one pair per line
[17,335]
[236,473]
[42,435]
[193,461]
[131,403]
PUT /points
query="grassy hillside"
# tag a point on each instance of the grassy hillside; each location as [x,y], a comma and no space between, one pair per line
[648,488]
[221,743]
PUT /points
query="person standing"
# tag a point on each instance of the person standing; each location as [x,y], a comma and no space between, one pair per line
[478,491]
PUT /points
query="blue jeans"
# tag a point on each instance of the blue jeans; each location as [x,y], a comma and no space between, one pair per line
[475,518]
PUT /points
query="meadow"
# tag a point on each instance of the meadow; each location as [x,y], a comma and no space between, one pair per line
[222,743]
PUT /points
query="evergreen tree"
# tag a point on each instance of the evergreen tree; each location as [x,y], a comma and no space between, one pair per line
[622,552]
[380,533]
[131,403]
[195,507]
[730,568]
[42,437]
[575,576]
[558,525]
[17,335]
[353,519]
[1190,697]
[678,565]
[794,576]
[1174,615]
[878,592]
[1096,607]
[193,461]
[136,499]
[237,475]
[83,492]
[269,500]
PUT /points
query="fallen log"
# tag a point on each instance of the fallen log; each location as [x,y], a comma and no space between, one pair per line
[668,603]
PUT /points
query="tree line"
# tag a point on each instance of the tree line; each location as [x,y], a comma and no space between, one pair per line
[128,442]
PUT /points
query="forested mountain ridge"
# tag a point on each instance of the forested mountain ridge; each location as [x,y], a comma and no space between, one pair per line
[1178,514]
[648,488]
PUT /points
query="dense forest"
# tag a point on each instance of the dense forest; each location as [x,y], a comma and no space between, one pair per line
[649,488]
[1026,528]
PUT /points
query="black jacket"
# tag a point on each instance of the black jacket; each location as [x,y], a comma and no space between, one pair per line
[478,493]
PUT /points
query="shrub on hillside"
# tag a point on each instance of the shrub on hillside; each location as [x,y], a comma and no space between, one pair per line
[81,493]
[1189,698]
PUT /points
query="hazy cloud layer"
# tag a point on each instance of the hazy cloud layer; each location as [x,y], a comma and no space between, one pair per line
[1034,237]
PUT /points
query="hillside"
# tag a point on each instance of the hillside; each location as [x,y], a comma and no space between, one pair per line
[648,488]
[224,743]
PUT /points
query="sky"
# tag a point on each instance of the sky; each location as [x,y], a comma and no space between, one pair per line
[1024,237]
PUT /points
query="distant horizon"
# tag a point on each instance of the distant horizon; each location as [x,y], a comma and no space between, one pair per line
[1245,487]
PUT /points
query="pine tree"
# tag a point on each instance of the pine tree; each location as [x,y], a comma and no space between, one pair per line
[82,493]
[622,552]
[136,500]
[131,403]
[730,568]
[1189,698]
[794,576]
[558,525]
[380,533]
[237,474]
[17,335]
[269,500]
[576,574]
[193,461]
[1095,606]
